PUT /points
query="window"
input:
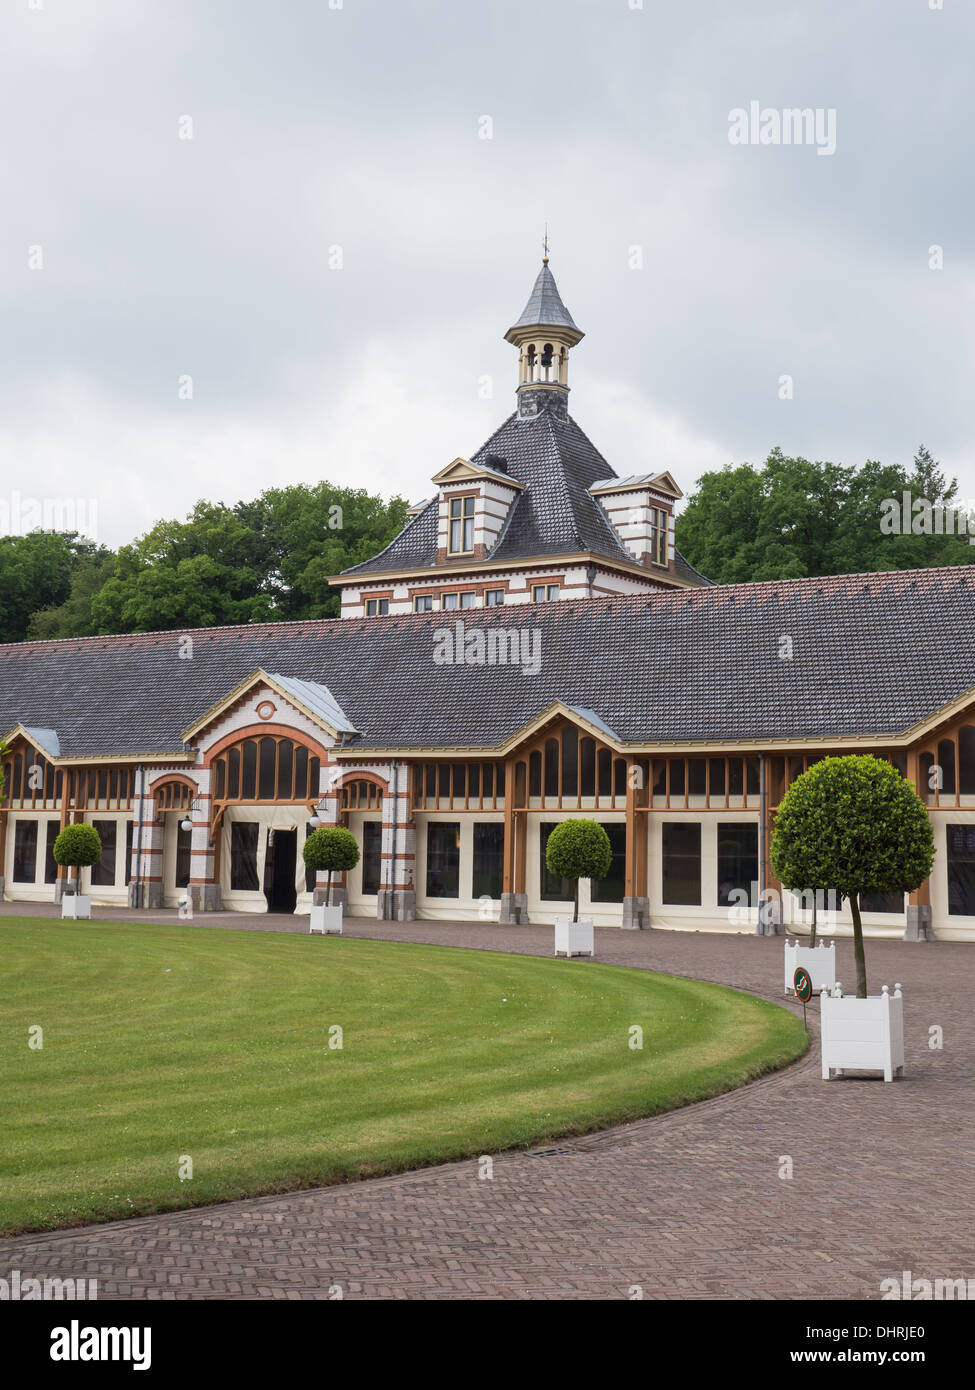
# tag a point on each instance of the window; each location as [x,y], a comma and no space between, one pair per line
[423,603]
[554,889]
[372,855]
[443,859]
[103,873]
[183,842]
[376,607]
[881,902]
[449,601]
[961,870]
[658,535]
[737,862]
[461,525]
[611,888]
[488,858]
[493,598]
[267,769]
[682,862]
[542,592]
[25,851]
[243,856]
[468,600]
[50,863]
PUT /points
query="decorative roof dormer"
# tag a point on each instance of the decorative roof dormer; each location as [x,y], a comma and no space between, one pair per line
[543,335]
[641,508]
[474,502]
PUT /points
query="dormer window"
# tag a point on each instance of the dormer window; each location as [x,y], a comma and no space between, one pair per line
[461,526]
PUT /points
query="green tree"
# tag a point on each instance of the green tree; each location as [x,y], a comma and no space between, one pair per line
[262,561]
[307,534]
[854,825]
[578,849]
[36,571]
[331,848]
[77,847]
[72,618]
[792,517]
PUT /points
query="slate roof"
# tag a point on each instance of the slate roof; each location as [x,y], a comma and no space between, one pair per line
[871,654]
[545,308]
[554,514]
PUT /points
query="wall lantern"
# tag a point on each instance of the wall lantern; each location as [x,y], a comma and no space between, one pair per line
[318,814]
[187,822]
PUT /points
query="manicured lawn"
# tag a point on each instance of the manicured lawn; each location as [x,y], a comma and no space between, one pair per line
[162,1041]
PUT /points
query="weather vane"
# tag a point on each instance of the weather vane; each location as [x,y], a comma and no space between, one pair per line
[545,246]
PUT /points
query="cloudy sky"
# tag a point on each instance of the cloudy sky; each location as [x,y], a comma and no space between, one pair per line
[132,259]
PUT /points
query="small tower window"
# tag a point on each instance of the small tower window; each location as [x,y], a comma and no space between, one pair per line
[658,536]
[547,352]
[461,525]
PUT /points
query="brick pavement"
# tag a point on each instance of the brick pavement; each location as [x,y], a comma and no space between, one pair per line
[684,1205]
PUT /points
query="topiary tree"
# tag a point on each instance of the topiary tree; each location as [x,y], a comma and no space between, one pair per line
[332,848]
[77,847]
[578,849]
[855,825]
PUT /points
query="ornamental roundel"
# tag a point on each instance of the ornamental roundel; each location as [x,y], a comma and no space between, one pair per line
[265,709]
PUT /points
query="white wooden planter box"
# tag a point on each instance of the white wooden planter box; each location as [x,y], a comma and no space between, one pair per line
[863,1034]
[819,960]
[573,938]
[327,920]
[76,905]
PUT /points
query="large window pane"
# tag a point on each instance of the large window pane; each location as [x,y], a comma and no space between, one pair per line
[737,862]
[881,902]
[103,873]
[611,888]
[443,859]
[372,855]
[50,863]
[554,889]
[243,855]
[25,851]
[961,870]
[488,858]
[682,862]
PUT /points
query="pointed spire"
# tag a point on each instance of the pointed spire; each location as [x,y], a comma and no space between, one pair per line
[545,308]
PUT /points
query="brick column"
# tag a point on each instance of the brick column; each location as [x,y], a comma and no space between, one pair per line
[396,901]
[204,887]
[147,833]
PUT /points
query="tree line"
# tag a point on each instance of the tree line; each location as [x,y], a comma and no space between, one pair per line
[790,518]
[261,561]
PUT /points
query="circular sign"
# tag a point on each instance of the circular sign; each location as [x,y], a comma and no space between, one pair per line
[802,984]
